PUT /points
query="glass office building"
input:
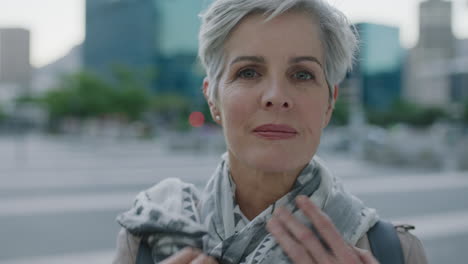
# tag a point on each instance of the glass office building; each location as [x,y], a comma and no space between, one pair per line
[379,65]
[120,33]
[161,35]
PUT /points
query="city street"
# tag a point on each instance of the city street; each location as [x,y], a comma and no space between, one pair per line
[59,196]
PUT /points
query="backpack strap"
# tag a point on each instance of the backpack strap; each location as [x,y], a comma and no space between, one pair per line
[385,243]
[144,254]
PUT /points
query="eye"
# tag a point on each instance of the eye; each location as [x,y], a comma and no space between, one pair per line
[303,76]
[248,74]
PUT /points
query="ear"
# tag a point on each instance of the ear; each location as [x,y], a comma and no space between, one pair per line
[213,109]
[331,107]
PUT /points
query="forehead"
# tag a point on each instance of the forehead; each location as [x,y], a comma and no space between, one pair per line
[285,36]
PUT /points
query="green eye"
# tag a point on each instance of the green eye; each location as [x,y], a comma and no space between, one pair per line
[248,74]
[303,76]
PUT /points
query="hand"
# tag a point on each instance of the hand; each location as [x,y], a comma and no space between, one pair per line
[189,256]
[302,245]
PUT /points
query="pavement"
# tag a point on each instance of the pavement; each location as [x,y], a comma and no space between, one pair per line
[59,196]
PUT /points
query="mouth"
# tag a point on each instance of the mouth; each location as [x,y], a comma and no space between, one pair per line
[275,132]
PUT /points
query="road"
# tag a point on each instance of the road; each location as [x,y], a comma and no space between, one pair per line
[59,196]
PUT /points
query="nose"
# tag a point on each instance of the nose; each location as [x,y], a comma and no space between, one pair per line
[276,97]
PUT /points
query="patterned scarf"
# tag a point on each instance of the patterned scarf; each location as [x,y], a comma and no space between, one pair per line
[172,215]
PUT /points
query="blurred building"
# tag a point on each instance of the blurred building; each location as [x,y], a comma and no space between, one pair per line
[157,35]
[48,76]
[15,68]
[428,81]
[179,25]
[379,65]
[179,74]
[458,68]
[177,64]
[120,33]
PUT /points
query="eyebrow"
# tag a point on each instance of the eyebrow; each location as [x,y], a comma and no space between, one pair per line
[261,60]
[305,58]
[256,59]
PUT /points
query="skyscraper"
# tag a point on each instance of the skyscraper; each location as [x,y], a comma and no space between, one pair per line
[178,69]
[379,65]
[459,72]
[427,81]
[120,32]
[146,34]
[15,55]
[435,27]
[179,25]
[15,68]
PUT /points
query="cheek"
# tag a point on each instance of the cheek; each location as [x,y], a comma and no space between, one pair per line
[314,117]
[236,113]
[238,105]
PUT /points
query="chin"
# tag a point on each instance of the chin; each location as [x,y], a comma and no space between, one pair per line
[275,162]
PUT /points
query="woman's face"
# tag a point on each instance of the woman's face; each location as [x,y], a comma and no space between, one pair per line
[273,96]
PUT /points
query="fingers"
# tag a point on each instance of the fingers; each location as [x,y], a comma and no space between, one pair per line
[291,247]
[327,230]
[184,256]
[203,259]
[365,256]
[303,235]
[189,255]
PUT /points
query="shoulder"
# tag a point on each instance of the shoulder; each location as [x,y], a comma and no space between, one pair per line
[413,250]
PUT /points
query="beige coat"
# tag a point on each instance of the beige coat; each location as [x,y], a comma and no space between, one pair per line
[413,251]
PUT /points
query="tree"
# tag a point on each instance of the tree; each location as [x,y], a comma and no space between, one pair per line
[131,102]
[2,113]
[407,113]
[84,95]
[465,114]
[132,96]
[174,109]
[79,95]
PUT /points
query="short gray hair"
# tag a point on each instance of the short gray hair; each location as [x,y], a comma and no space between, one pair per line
[339,38]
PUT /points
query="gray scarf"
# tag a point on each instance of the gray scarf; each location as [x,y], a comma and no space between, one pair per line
[172,215]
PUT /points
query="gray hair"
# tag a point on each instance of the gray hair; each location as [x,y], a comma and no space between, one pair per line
[339,38]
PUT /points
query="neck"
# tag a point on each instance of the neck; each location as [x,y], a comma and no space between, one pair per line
[257,189]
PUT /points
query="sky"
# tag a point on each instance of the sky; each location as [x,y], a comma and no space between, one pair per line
[58,25]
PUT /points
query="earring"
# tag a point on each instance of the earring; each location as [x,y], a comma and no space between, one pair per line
[217,117]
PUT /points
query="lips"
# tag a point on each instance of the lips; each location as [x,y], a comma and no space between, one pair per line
[275,132]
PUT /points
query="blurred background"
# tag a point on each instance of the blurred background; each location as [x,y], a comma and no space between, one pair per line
[100,99]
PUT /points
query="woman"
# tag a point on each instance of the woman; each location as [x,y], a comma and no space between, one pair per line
[272,72]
